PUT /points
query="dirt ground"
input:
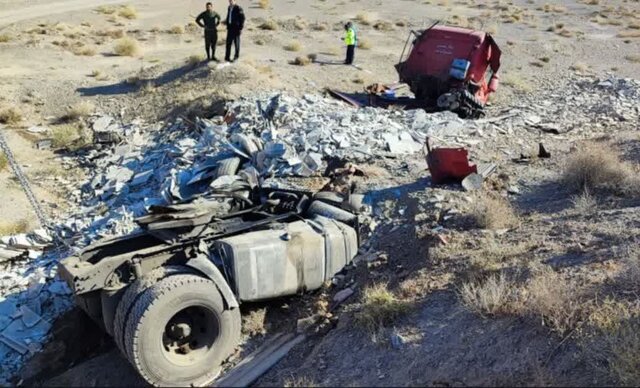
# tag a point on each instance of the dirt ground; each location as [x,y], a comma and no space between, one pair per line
[444,342]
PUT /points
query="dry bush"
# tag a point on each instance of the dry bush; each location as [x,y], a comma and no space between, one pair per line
[492,29]
[113,33]
[302,61]
[622,349]
[634,25]
[195,59]
[358,80]
[127,47]
[381,25]
[4,161]
[364,44]
[380,307]
[629,34]
[128,12]
[630,274]
[294,45]
[86,51]
[176,29]
[402,23]
[517,82]
[299,381]
[299,24]
[492,296]
[253,323]
[635,58]
[537,64]
[264,4]
[545,59]
[8,228]
[493,212]
[319,27]
[67,136]
[103,9]
[79,110]
[596,166]
[269,25]
[10,116]
[4,38]
[559,302]
[580,67]
[584,203]
[364,18]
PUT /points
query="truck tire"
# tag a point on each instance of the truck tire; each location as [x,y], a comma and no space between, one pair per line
[228,166]
[131,294]
[330,211]
[178,332]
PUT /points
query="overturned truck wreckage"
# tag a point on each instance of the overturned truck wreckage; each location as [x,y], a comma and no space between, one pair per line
[169,293]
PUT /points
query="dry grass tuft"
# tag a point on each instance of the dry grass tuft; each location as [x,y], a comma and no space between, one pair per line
[493,296]
[299,381]
[127,47]
[195,59]
[176,29]
[596,166]
[382,25]
[623,353]
[363,18]
[264,4]
[269,25]
[580,67]
[380,307]
[493,212]
[8,228]
[364,44]
[633,33]
[86,51]
[67,137]
[113,33]
[517,82]
[105,10]
[302,61]
[558,301]
[635,58]
[4,38]
[584,203]
[4,161]
[319,27]
[253,323]
[128,12]
[10,116]
[294,45]
[79,110]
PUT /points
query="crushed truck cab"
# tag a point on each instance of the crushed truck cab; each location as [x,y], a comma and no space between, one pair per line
[169,293]
[447,67]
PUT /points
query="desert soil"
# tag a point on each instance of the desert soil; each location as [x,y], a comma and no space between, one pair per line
[444,342]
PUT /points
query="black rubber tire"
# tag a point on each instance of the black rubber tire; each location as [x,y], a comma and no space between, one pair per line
[150,314]
[131,294]
[330,211]
[228,166]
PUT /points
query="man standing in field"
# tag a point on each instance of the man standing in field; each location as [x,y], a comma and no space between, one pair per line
[350,40]
[235,24]
[209,20]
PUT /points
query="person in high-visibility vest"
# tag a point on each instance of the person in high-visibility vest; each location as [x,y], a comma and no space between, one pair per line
[350,40]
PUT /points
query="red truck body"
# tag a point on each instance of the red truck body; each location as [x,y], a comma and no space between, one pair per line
[428,67]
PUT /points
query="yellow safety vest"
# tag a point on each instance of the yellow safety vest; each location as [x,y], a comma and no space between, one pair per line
[350,37]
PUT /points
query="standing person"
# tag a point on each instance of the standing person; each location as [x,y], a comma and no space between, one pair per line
[209,20]
[235,24]
[350,40]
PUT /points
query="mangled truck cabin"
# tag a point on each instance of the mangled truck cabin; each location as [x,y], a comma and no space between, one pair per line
[169,293]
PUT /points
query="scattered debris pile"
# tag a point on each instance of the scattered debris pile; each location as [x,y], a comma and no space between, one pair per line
[263,140]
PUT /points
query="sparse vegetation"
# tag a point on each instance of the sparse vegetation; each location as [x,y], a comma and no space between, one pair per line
[4,161]
[176,29]
[580,67]
[87,51]
[79,110]
[105,10]
[269,25]
[634,33]
[127,46]
[319,27]
[635,58]
[264,4]
[294,45]
[596,166]
[517,82]
[492,296]
[8,228]
[195,59]
[623,350]
[299,381]
[4,38]
[493,212]
[128,12]
[254,322]
[363,18]
[380,307]
[10,116]
[364,44]
[584,203]
[67,136]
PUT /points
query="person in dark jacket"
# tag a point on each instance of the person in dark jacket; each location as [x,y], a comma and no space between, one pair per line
[235,24]
[209,20]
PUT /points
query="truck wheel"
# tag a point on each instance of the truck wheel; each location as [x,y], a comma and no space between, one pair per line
[228,166]
[132,293]
[179,332]
[330,211]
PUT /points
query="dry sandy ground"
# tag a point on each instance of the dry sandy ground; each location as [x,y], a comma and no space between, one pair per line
[42,78]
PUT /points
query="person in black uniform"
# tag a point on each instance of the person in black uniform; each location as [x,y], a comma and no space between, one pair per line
[235,24]
[209,20]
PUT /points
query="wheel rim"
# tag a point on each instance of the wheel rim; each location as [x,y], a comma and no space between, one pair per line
[190,335]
